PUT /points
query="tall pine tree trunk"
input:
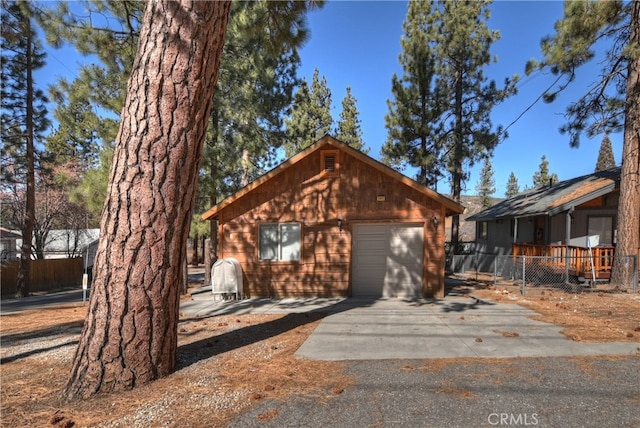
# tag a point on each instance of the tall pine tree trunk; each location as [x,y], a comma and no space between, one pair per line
[629,205]
[130,335]
[211,251]
[456,163]
[24,272]
[196,242]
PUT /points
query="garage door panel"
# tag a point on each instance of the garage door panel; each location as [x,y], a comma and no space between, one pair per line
[372,244]
[371,276]
[387,260]
[406,255]
[403,274]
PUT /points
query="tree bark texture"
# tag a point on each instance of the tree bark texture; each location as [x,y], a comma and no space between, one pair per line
[629,206]
[130,335]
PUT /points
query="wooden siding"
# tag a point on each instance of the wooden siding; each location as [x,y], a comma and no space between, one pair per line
[302,193]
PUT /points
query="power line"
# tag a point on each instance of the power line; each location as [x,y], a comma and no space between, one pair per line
[503,134]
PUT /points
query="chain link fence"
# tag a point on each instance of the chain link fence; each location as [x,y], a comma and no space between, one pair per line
[537,274]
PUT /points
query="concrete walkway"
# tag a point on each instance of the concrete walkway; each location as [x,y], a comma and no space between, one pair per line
[453,327]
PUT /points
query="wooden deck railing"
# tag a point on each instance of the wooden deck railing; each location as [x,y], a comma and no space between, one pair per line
[579,258]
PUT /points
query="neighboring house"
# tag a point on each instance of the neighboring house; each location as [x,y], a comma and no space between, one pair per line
[8,244]
[467,228]
[332,221]
[70,243]
[555,220]
[64,243]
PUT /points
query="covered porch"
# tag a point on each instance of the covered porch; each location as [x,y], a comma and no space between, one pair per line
[587,263]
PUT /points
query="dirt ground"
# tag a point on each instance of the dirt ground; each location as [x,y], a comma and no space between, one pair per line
[229,363]
[588,315]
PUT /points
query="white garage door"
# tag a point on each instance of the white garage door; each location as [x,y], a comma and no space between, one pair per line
[387,260]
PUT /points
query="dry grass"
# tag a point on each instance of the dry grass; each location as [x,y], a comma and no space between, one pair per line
[230,363]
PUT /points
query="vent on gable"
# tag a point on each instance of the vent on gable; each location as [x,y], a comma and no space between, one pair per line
[330,162]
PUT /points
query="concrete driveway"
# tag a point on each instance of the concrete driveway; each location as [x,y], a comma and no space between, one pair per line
[453,327]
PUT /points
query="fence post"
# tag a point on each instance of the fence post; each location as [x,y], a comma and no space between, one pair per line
[524,273]
[475,259]
[495,270]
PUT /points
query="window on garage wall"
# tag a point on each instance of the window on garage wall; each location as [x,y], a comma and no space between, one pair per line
[279,241]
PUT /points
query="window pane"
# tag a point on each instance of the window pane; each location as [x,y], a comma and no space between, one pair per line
[268,242]
[602,226]
[290,241]
[484,230]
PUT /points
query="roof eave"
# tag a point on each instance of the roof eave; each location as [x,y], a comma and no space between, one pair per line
[553,211]
[582,199]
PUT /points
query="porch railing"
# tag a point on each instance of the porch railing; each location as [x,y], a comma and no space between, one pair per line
[581,261]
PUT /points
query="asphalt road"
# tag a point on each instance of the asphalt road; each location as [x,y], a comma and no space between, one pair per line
[13,306]
[535,392]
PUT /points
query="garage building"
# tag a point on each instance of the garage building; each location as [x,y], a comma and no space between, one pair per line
[331,221]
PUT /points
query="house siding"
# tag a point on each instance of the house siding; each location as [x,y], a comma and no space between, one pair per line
[302,193]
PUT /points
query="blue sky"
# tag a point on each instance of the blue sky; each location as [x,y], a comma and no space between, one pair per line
[357,43]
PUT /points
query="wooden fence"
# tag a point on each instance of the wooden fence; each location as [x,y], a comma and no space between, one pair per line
[46,275]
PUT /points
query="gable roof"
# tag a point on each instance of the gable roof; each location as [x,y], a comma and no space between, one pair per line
[554,199]
[451,206]
[63,240]
[9,234]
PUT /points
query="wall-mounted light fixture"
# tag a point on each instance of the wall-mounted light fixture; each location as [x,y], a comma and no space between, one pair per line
[436,221]
[340,224]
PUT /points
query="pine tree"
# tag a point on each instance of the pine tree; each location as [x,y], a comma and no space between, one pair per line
[348,130]
[92,189]
[542,177]
[415,108]
[23,118]
[130,334]
[462,43]
[512,186]
[89,106]
[310,117]
[255,92]
[487,184]
[610,105]
[605,155]
[255,88]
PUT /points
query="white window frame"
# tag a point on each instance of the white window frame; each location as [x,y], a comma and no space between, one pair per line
[278,249]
